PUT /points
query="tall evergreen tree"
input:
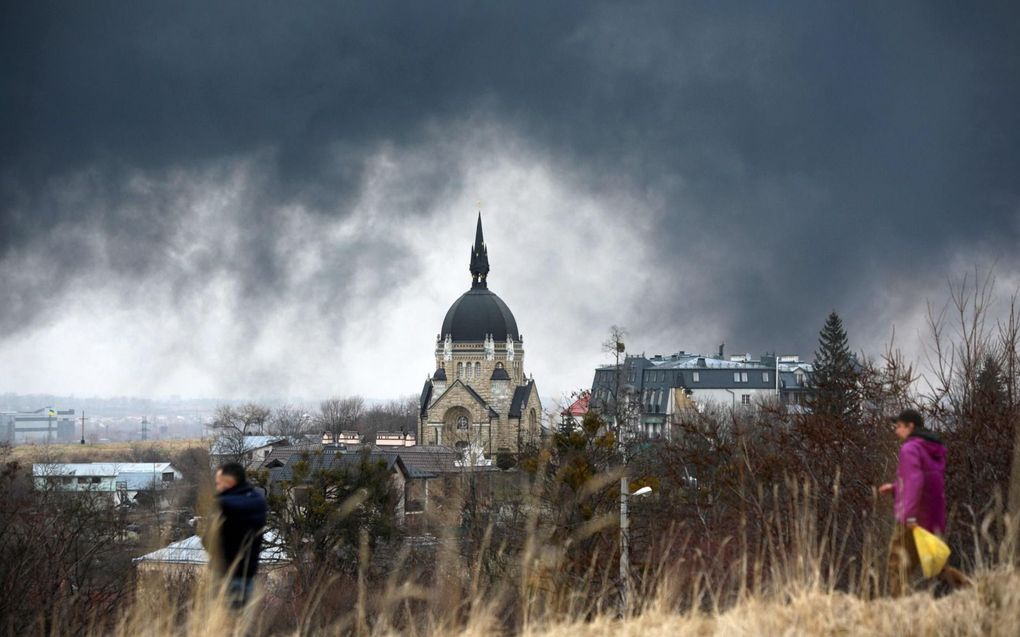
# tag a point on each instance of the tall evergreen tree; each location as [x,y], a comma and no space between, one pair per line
[989,388]
[834,382]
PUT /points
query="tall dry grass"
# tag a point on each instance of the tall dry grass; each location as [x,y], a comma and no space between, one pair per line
[783,583]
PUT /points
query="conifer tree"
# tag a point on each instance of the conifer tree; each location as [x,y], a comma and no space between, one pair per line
[834,382]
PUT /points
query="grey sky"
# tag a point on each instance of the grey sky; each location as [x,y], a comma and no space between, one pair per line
[245,199]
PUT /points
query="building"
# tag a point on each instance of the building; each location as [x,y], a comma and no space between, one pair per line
[479,393]
[122,481]
[283,477]
[655,388]
[574,414]
[39,426]
[251,451]
[189,556]
[349,437]
[393,439]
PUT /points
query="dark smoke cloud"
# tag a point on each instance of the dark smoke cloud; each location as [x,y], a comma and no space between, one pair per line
[792,158]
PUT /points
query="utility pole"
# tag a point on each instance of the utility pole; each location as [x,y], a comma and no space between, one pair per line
[625,583]
[621,411]
[82,426]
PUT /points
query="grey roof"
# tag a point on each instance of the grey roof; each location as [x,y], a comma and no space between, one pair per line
[479,313]
[137,475]
[326,461]
[521,395]
[431,459]
[500,374]
[426,395]
[440,374]
[281,455]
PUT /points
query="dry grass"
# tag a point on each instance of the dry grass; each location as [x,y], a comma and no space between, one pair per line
[103,452]
[991,607]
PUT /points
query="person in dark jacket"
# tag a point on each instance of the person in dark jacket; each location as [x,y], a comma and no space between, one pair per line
[242,516]
[919,500]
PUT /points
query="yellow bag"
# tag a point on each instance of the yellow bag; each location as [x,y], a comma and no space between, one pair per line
[933,552]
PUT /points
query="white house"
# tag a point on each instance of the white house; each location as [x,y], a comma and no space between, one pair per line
[393,439]
[121,480]
[189,554]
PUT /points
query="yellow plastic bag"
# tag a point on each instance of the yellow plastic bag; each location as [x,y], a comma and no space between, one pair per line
[933,552]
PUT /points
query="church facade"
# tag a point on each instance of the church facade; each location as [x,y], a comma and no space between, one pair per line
[479,395]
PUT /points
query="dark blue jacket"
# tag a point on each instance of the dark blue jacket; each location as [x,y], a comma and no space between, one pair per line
[242,516]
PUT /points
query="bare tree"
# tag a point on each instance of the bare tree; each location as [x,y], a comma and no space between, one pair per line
[340,414]
[972,396]
[399,415]
[622,406]
[233,424]
[249,419]
[291,423]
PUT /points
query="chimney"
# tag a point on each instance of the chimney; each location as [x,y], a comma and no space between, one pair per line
[721,346]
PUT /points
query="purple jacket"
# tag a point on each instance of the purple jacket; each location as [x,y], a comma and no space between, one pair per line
[920,487]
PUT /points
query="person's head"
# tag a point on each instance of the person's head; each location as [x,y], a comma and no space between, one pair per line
[909,421]
[229,475]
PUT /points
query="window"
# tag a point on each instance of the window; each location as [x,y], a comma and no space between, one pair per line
[478,370]
[83,480]
[745,399]
[736,377]
[462,422]
[743,377]
[460,370]
[696,377]
[168,476]
[764,377]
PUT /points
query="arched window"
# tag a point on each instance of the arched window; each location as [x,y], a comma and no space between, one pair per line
[478,370]
[460,370]
[499,365]
[462,423]
[532,419]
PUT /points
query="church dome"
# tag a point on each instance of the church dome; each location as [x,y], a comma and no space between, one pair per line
[477,314]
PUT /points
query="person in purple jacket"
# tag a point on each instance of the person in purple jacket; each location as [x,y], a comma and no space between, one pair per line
[920,500]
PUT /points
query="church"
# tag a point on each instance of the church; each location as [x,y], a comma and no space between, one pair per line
[479,395]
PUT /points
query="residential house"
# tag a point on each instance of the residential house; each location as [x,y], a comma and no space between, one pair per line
[654,388]
[122,481]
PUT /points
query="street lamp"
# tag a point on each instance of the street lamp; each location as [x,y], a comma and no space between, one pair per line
[625,591]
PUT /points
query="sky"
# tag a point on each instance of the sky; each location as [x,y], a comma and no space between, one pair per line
[275,200]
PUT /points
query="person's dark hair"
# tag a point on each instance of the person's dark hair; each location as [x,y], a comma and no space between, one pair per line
[235,471]
[911,416]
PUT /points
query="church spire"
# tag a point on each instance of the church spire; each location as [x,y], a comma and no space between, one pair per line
[479,258]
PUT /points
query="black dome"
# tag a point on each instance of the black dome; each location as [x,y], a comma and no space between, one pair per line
[477,313]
